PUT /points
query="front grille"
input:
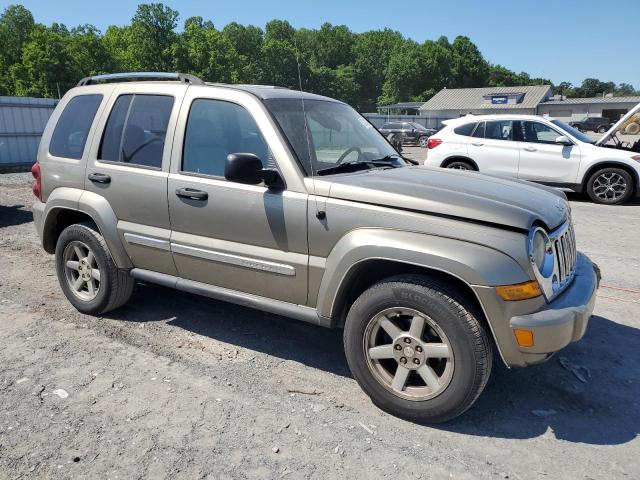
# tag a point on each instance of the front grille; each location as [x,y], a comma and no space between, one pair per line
[564,242]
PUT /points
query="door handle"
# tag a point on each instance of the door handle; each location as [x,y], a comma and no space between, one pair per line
[192,193]
[99,178]
[530,149]
[478,144]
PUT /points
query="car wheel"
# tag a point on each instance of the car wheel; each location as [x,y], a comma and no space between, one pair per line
[87,274]
[416,350]
[423,141]
[602,129]
[460,165]
[610,186]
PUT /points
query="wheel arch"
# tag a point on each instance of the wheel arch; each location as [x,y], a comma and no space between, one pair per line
[459,158]
[64,209]
[612,164]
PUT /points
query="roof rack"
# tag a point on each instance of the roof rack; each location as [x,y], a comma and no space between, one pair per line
[116,77]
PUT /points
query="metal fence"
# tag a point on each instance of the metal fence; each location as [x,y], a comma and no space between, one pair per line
[22,121]
[429,122]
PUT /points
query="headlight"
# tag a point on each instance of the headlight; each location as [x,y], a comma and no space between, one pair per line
[541,252]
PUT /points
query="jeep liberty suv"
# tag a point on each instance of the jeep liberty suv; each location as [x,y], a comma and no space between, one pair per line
[294,204]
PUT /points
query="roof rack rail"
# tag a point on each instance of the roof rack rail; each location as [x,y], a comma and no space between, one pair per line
[183,77]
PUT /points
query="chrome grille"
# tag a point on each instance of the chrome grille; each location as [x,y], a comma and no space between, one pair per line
[564,243]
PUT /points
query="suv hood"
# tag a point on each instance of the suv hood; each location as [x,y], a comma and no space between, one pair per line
[629,124]
[454,193]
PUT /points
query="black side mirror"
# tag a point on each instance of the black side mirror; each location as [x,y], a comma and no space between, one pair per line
[247,168]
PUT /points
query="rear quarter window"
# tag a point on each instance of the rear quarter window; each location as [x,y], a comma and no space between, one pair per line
[466,129]
[70,135]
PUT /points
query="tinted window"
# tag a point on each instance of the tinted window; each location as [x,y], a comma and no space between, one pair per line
[70,135]
[536,132]
[465,129]
[136,130]
[499,130]
[214,130]
[479,132]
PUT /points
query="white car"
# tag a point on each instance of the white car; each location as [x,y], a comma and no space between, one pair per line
[544,150]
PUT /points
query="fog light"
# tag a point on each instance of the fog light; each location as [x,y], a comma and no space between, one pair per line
[524,337]
[519,291]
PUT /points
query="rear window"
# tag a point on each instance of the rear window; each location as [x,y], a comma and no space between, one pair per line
[466,129]
[136,130]
[70,135]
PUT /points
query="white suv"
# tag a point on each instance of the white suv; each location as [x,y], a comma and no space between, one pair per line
[544,150]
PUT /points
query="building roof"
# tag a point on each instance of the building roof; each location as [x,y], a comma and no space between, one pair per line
[475,98]
[593,100]
[402,105]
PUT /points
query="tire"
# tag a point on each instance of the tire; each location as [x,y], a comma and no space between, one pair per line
[81,246]
[614,177]
[602,129]
[460,165]
[422,141]
[460,378]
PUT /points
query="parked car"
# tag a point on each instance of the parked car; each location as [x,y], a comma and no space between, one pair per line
[411,133]
[544,150]
[294,204]
[592,124]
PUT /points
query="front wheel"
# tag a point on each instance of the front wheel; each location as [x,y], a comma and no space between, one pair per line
[610,186]
[423,141]
[460,165]
[416,350]
[602,130]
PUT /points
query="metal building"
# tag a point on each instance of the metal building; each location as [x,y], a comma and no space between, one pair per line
[22,121]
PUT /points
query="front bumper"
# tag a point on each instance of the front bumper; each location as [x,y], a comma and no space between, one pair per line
[565,319]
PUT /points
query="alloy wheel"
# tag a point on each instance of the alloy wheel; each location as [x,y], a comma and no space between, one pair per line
[408,354]
[609,186]
[81,270]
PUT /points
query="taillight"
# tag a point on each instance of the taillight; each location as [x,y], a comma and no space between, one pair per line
[433,142]
[636,158]
[37,185]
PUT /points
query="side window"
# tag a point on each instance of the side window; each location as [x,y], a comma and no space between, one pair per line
[215,129]
[479,131]
[499,130]
[70,135]
[136,130]
[465,129]
[536,132]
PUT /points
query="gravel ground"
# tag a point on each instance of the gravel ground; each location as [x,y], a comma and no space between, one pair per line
[177,386]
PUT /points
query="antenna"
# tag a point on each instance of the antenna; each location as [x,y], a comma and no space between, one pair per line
[319,214]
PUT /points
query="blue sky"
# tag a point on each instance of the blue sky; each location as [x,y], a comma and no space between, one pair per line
[564,40]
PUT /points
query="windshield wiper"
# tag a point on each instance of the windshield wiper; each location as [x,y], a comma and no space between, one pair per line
[358,165]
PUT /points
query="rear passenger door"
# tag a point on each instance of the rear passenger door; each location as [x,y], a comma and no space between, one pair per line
[494,149]
[129,166]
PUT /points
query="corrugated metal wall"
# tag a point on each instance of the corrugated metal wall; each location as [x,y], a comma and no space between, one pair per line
[22,121]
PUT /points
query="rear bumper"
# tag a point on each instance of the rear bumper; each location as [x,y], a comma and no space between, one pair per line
[38,217]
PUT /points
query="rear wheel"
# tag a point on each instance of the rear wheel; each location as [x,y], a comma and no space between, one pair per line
[610,186]
[415,350]
[88,276]
[460,165]
[602,129]
[422,141]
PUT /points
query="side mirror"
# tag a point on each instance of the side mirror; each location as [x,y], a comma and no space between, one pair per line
[564,140]
[247,168]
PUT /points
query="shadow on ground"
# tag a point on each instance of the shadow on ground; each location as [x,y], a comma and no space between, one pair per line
[14,215]
[602,410]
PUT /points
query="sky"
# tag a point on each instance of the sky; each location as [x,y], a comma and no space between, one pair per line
[563,40]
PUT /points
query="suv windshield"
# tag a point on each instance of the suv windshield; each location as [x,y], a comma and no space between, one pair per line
[573,131]
[334,134]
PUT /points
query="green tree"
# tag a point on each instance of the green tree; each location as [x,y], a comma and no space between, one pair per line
[16,25]
[470,68]
[151,37]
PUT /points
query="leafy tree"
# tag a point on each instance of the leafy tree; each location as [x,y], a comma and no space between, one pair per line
[470,68]
[151,36]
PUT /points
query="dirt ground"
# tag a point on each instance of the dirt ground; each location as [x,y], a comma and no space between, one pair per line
[177,386]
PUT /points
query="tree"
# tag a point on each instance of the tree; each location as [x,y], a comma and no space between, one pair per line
[470,68]
[151,37]
[16,25]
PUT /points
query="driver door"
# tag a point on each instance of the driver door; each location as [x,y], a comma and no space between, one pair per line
[245,238]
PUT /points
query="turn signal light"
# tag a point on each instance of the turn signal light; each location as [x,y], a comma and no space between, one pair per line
[519,291]
[524,337]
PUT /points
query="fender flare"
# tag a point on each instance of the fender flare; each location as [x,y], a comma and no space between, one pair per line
[474,264]
[97,208]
